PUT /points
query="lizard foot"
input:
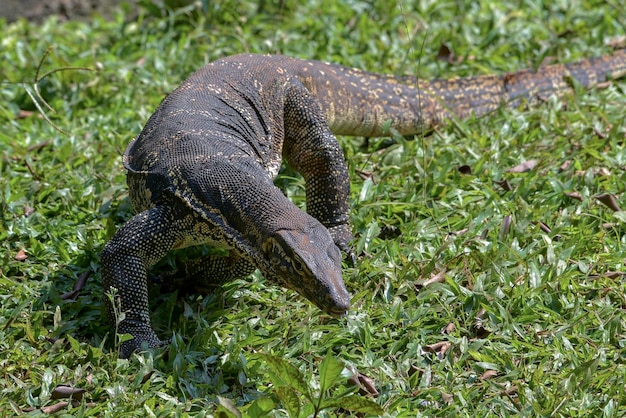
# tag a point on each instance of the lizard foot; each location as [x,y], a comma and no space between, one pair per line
[342,236]
[144,338]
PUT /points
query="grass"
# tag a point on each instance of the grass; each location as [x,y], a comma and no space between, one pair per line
[490,302]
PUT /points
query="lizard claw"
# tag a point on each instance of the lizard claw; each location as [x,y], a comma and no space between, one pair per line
[351,258]
[143,338]
[348,252]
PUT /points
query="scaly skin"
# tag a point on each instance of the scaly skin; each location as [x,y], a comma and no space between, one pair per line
[201,170]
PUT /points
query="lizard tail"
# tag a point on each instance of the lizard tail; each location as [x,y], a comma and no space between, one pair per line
[484,94]
[368,104]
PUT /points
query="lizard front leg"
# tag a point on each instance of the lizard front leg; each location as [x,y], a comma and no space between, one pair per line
[137,245]
[312,149]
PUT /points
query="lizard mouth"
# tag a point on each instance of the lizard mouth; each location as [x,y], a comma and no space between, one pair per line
[336,312]
[339,313]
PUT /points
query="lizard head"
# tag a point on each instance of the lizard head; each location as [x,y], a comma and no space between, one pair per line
[306,259]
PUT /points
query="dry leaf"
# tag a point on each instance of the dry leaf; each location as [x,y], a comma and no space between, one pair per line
[39,145]
[545,228]
[523,167]
[28,210]
[147,376]
[364,174]
[229,405]
[64,391]
[608,200]
[617,42]
[574,195]
[23,114]
[445,53]
[72,295]
[448,329]
[21,255]
[511,390]
[506,226]
[365,384]
[488,374]
[78,286]
[614,274]
[52,409]
[447,398]
[600,134]
[465,169]
[459,232]
[414,369]
[504,184]
[609,275]
[439,348]
[480,314]
[480,331]
[439,277]
[566,164]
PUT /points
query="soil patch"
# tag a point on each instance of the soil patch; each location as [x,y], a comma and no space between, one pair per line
[37,10]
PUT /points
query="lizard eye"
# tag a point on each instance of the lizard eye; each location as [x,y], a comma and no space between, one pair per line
[297,265]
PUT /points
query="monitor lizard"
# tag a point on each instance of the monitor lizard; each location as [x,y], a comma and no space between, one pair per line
[202,169]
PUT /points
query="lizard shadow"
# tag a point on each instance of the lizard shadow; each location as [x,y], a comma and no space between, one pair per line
[76,289]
